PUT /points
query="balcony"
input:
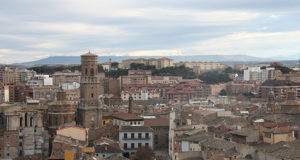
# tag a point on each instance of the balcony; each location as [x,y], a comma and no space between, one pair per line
[136,138]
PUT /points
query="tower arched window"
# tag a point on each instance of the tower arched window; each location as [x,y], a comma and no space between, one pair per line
[31,121]
[21,121]
[26,116]
[92,72]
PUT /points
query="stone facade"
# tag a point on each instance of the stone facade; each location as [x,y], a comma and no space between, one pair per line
[31,138]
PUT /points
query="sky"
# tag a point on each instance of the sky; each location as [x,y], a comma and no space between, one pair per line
[36,29]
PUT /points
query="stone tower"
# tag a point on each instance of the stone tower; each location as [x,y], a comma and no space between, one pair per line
[130,104]
[89,109]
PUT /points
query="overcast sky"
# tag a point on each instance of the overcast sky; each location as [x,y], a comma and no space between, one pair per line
[35,29]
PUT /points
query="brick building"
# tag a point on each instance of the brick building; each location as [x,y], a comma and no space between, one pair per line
[160,128]
[89,111]
[280,88]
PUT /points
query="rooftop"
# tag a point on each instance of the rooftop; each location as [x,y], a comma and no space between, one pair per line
[280,83]
[156,122]
[89,54]
[127,117]
[135,129]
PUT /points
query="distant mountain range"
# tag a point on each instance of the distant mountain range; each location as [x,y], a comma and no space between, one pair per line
[227,59]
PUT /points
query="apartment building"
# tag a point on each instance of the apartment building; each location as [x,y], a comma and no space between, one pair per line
[66,76]
[159,63]
[258,74]
[200,67]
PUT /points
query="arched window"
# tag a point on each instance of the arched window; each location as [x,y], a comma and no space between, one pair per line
[92,72]
[65,119]
[26,119]
[86,71]
[56,121]
[21,121]
[31,121]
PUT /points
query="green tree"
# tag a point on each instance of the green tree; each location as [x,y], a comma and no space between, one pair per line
[223,92]
[214,77]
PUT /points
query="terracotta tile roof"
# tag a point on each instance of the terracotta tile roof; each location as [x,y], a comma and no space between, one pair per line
[105,145]
[135,129]
[127,117]
[159,121]
[280,83]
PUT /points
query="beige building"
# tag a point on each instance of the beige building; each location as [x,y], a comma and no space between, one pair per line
[66,76]
[294,77]
[73,96]
[275,135]
[164,79]
[142,95]
[136,77]
[200,67]
[47,93]
[159,63]
[10,75]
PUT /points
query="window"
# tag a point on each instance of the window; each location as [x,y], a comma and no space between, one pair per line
[125,135]
[26,119]
[139,145]
[140,135]
[65,119]
[147,135]
[132,135]
[31,121]
[132,145]
[156,139]
[147,144]
[21,121]
[92,72]
[125,145]
[92,95]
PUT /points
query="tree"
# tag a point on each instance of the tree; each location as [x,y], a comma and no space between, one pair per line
[213,77]
[223,93]
[144,153]
[114,64]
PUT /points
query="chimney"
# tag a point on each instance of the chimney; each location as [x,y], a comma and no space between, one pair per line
[130,104]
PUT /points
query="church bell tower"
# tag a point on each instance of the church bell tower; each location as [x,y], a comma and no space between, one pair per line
[89,109]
